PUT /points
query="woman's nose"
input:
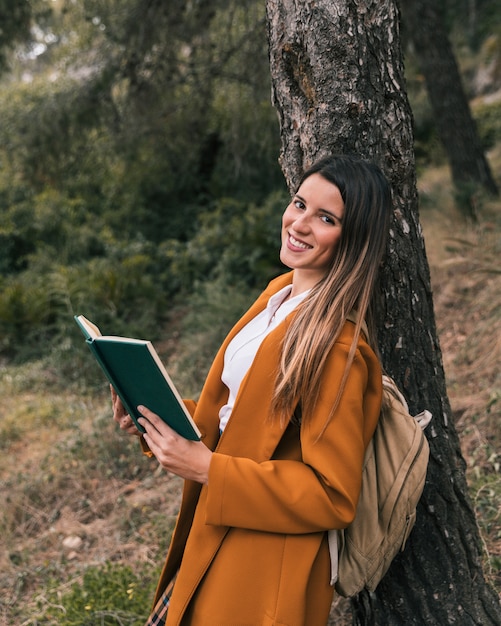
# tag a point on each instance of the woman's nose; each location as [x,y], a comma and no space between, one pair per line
[302,222]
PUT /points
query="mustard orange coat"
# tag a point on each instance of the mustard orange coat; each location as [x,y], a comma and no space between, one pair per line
[251,546]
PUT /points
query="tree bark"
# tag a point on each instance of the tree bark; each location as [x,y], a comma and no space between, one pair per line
[338,86]
[455,125]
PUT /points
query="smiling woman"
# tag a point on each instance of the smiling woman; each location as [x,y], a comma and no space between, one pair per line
[286,413]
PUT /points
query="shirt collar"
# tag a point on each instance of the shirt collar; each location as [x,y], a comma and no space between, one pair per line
[276,300]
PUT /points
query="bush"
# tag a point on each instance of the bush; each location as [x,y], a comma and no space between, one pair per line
[129,288]
[237,242]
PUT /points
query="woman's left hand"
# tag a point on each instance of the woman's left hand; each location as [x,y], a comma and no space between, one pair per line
[188,459]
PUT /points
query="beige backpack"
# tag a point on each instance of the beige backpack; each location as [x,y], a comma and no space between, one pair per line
[393,479]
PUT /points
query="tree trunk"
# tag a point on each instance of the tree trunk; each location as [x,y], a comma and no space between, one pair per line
[455,124]
[338,86]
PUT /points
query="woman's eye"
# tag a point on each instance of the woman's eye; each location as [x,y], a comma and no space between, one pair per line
[327,219]
[298,204]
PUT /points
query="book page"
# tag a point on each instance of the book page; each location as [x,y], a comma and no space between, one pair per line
[91,329]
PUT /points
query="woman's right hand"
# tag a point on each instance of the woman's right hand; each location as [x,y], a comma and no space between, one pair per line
[120,415]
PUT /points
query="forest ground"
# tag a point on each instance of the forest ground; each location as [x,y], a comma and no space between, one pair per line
[75,494]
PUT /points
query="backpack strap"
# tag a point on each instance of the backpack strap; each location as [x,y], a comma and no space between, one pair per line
[333,540]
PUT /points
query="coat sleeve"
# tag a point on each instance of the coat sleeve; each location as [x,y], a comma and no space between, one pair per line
[319,492]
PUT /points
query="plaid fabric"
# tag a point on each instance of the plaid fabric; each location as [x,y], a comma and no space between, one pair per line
[159,615]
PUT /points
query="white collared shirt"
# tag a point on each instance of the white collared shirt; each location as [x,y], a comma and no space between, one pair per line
[243,347]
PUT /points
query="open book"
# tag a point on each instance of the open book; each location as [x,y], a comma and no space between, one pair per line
[134,369]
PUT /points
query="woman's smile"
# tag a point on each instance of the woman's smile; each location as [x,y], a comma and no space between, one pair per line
[295,243]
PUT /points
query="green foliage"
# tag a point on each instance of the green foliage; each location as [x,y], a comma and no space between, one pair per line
[473,21]
[112,595]
[140,138]
[488,119]
[46,227]
[112,168]
[38,304]
[69,265]
[236,241]
[15,20]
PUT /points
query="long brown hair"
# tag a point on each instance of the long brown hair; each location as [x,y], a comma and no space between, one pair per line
[347,286]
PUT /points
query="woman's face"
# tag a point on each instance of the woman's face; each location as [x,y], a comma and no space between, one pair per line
[311,228]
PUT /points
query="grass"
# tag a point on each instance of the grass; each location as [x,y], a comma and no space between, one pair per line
[86,518]
[76,499]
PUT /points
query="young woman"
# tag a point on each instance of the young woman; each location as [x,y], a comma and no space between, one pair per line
[288,408]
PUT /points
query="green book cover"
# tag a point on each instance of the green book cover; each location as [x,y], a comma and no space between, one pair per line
[136,372]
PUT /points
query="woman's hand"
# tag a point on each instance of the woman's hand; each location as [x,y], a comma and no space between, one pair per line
[120,415]
[188,459]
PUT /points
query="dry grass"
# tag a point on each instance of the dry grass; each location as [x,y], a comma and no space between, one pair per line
[76,493]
